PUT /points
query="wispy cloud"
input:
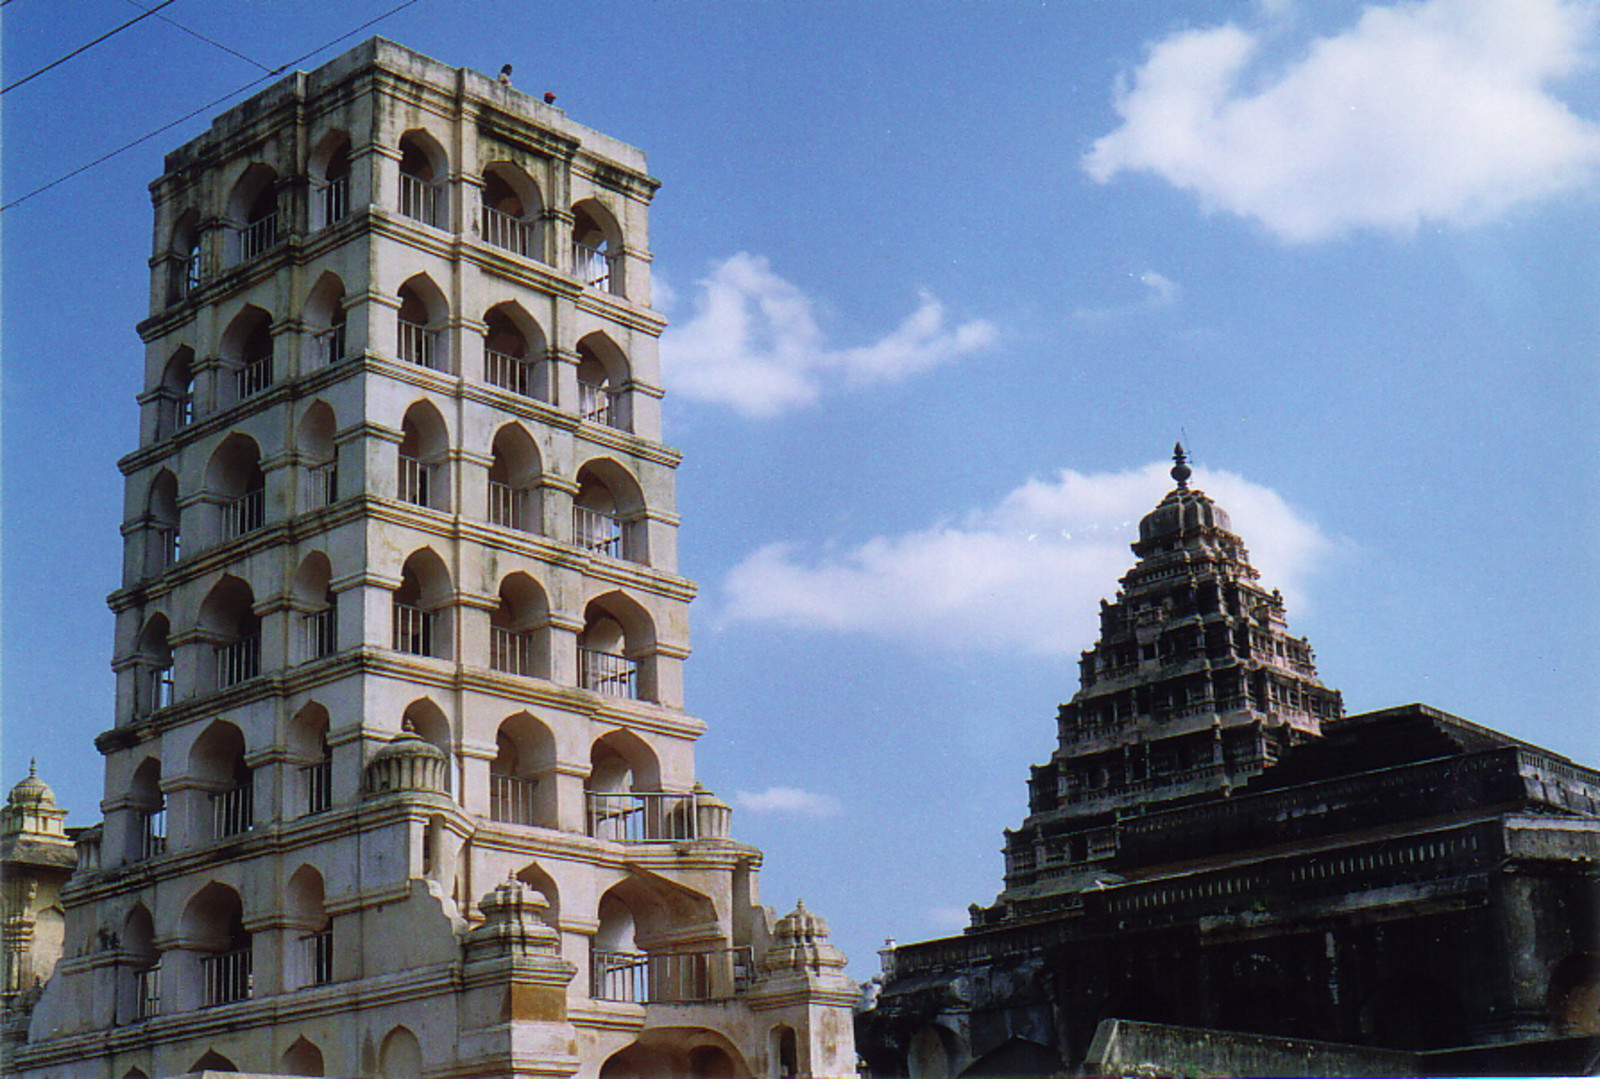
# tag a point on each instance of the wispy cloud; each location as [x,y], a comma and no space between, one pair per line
[789,800]
[1434,111]
[754,344]
[1160,291]
[1024,574]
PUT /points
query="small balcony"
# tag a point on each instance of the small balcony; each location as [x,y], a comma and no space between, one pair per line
[596,404]
[227,976]
[593,266]
[416,481]
[317,955]
[597,532]
[258,237]
[177,413]
[502,230]
[233,810]
[189,275]
[511,799]
[238,661]
[419,345]
[319,632]
[322,484]
[607,673]
[254,377]
[168,545]
[317,781]
[512,652]
[631,817]
[508,372]
[147,992]
[413,630]
[419,200]
[670,978]
[244,514]
[335,195]
[152,833]
[327,348]
[508,506]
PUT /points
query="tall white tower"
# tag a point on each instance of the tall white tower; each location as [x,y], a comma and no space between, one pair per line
[400,781]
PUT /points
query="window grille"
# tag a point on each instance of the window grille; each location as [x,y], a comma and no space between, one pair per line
[335,199]
[258,237]
[238,661]
[596,404]
[595,531]
[592,266]
[324,484]
[511,799]
[509,232]
[607,673]
[245,513]
[233,810]
[507,505]
[650,817]
[227,976]
[413,630]
[147,992]
[152,833]
[321,631]
[511,652]
[327,347]
[254,377]
[319,956]
[508,372]
[416,481]
[418,344]
[419,200]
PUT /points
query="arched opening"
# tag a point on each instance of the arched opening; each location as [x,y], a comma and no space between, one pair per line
[428,722]
[616,649]
[596,247]
[329,168]
[213,925]
[603,377]
[783,1050]
[318,606]
[149,805]
[545,885]
[931,1054]
[237,486]
[176,408]
[303,1058]
[140,978]
[400,1057]
[308,742]
[608,512]
[153,686]
[213,1061]
[161,511]
[711,1062]
[513,352]
[422,316]
[519,629]
[423,167]
[228,620]
[424,451]
[638,951]
[522,774]
[312,962]
[319,455]
[514,474]
[325,317]
[625,800]
[183,257]
[217,765]
[246,347]
[511,206]
[422,607]
[253,210]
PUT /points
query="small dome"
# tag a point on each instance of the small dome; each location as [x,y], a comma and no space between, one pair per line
[1185,510]
[407,745]
[32,791]
[408,763]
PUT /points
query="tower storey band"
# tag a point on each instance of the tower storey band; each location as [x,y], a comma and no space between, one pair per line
[400,781]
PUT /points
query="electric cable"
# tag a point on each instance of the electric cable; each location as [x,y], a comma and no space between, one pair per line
[196,34]
[85,48]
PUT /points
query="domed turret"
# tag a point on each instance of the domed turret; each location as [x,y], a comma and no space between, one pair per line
[32,791]
[1184,512]
[31,807]
[408,763]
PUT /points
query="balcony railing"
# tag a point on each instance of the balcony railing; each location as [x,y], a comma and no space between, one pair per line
[508,506]
[511,799]
[253,377]
[189,274]
[163,688]
[318,782]
[607,673]
[416,481]
[238,661]
[327,347]
[323,483]
[232,810]
[318,957]
[596,531]
[419,200]
[512,652]
[335,199]
[177,413]
[320,630]
[631,817]
[419,345]
[596,404]
[592,266]
[675,977]
[258,237]
[413,630]
[508,372]
[147,992]
[227,976]
[152,833]
[168,545]
[512,233]
[246,513]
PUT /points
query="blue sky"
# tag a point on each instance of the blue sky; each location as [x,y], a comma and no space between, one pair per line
[947,280]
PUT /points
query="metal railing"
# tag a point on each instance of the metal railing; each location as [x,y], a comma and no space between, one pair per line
[671,977]
[227,976]
[508,506]
[419,199]
[511,799]
[413,630]
[318,782]
[320,632]
[607,673]
[335,199]
[167,544]
[419,345]
[177,413]
[147,992]
[323,483]
[631,817]
[592,266]
[510,232]
[238,661]
[511,651]
[233,810]
[253,377]
[163,688]
[508,372]
[152,833]
[596,404]
[258,237]
[327,347]
[597,531]
[416,481]
[318,956]
[189,274]
[246,513]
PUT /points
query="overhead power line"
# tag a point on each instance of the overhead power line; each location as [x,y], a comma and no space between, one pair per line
[195,34]
[85,48]
[203,108]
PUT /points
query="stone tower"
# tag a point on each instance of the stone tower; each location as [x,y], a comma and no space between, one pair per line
[400,781]
[1195,685]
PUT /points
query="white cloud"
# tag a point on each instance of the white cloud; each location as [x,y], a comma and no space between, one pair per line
[754,344]
[1162,291]
[1024,574]
[789,800]
[1432,111]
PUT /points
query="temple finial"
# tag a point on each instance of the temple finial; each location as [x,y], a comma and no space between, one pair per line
[33,767]
[1180,467]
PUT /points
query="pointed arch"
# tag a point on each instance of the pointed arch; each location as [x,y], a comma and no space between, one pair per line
[511,204]
[514,351]
[596,246]
[422,316]
[308,741]
[305,900]
[148,805]
[608,512]
[424,167]
[400,1055]
[329,170]
[303,1058]
[422,607]
[522,775]
[543,883]
[515,477]
[228,620]
[319,454]
[153,680]
[312,593]
[175,409]
[212,924]
[183,256]
[604,377]
[325,315]
[424,453]
[213,1061]
[252,210]
[217,764]
[616,650]
[429,722]
[519,628]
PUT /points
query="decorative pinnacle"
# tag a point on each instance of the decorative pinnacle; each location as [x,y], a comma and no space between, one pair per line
[33,767]
[1180,467]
